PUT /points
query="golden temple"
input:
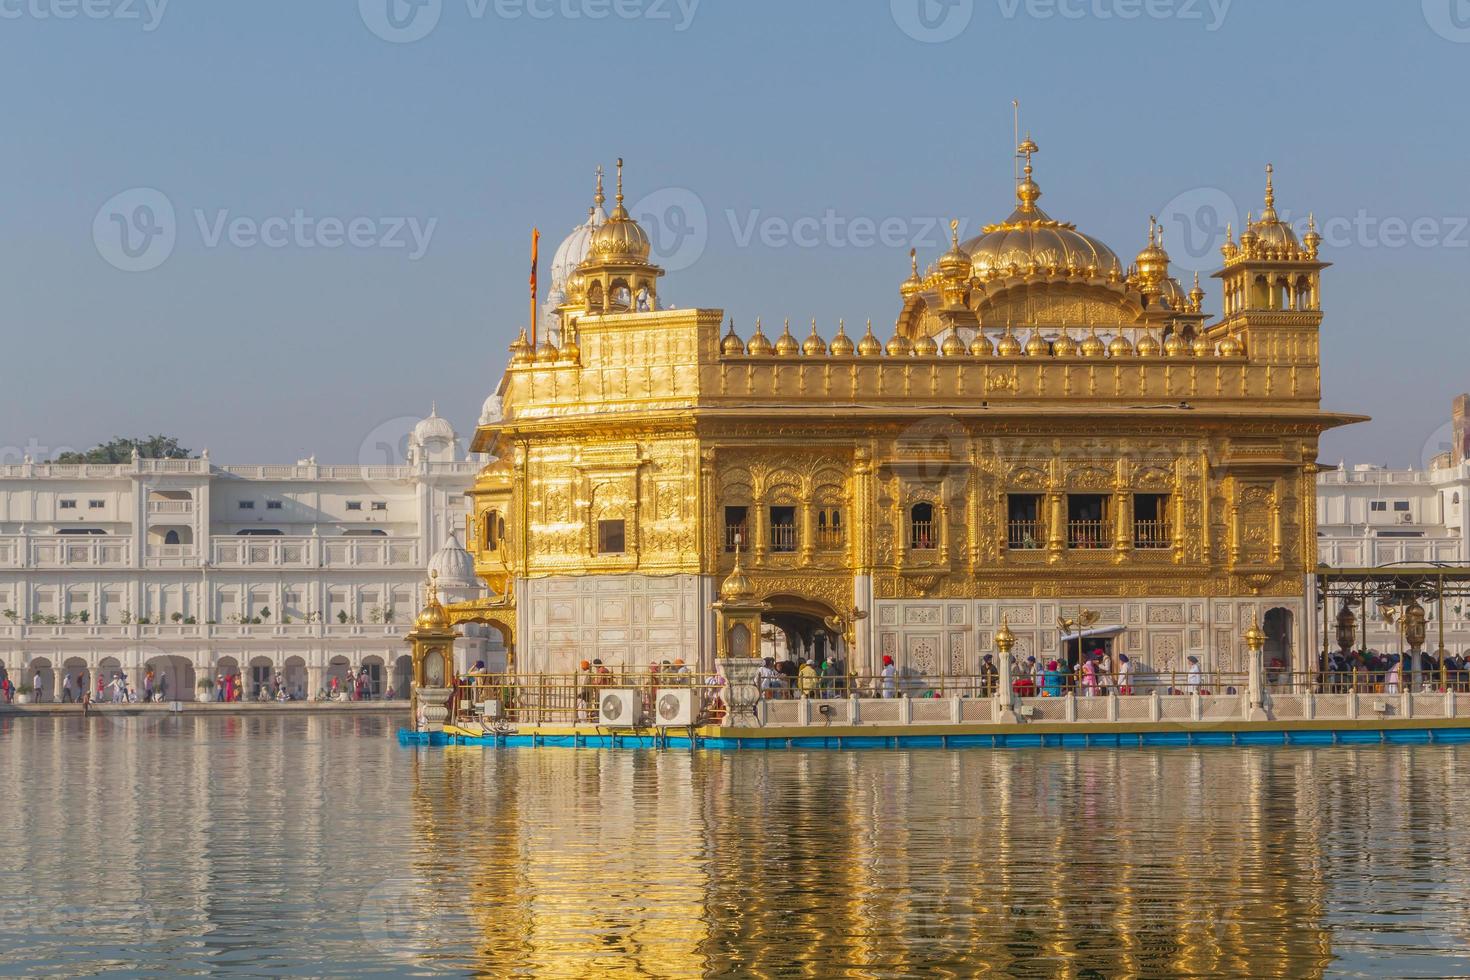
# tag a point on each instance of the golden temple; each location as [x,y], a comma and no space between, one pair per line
[1047,432]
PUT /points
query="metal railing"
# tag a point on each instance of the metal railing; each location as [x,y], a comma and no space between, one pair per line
[783,537]
[1152,534]
[1089,534]
[1025,535]
[922,536]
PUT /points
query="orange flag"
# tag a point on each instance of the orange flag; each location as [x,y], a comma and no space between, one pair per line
[535,252]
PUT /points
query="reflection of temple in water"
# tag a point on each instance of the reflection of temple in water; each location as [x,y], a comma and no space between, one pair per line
[1047,863]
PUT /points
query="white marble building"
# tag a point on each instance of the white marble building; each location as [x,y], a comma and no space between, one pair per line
[194,569]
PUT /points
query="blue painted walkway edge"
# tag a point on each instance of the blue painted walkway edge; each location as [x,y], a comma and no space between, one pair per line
[922,740]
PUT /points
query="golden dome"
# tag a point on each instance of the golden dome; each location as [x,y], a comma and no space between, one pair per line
[1196,295]
[869,345]
[1175,346]
[1203,347]
[1148,346]
[981,345]
[953,346]
[619,238]
[1064,345]
[1312,240]
[1092,345]
[737,586]
[570,352]
[1153,262]
[899,345]
[1248,236]
[1270,232]
[1230,347]
[954,264]
[520,349]
[432,617]
[914,283]
[732,345]
[841,344]
[1037,345]
[926,346]
[1120,347]
[546,353]
[1030,242]
[786,345]
[1009,346]
[814,346]
[759,345]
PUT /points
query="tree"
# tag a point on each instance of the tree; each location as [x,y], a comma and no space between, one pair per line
[120,450]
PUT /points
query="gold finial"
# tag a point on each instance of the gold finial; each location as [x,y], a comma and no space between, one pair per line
[599,198]
[1005,640]
[954,232]
[620,180]
[1270,188]
[914,261]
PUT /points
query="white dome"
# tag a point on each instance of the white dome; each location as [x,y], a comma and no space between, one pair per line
[454,566]
[573,249]
[434,429]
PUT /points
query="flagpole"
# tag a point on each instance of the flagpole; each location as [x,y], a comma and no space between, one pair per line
[535,249]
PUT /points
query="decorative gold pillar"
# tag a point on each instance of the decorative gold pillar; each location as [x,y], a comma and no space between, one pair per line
[1005,642]
[432,641]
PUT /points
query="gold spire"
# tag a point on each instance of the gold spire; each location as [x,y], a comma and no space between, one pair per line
[620,211]
[914,283]
[737,587]
[954,264]
[599,198]
[732,345]
[869,346]
[432,617]
[786,345]
[842,344]
[520,349]
[759,345]
[1269,215]
[814,345]
[1027,192]
[1009,346]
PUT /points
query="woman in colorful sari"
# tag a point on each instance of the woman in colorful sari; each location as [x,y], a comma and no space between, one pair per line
[1089,677]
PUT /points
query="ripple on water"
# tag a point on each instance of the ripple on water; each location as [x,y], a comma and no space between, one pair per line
[314,844]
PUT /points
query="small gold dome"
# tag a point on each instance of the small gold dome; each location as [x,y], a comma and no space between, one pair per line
[914,283]
[520,349]
[1175,346]
[1148,346]
[869,346]
[570,352]
[925,346]
[619,239]
[841,344]
[1196,295]
[1203,346]
[1092,345]
[1037,345]
[1231,347]
[953,346]
[732,345]
[1009,346]
[759,346]
[546,353]
[1120,347]
[432,617]
[814,346]
[737,586]
[1064,345]
[786,345]
[981,345]
[955,264]
[899,345]
[1153,262]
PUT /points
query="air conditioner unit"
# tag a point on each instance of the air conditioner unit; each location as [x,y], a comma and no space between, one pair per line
[1406,518]
[674,708]
[618,709]
[1381,707]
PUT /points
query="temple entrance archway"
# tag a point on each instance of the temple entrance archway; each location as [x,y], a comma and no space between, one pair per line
[795,629]
[1277,624]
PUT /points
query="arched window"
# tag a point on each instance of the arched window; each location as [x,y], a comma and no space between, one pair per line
[922,535]
[171,537]
[492,530]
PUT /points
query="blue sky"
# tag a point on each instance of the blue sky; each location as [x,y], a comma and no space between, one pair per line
[796,128]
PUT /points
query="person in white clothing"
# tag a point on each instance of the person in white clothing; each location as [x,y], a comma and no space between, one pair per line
[1193,687]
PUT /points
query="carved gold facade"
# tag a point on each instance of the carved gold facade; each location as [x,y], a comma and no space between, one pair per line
[1042,425]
